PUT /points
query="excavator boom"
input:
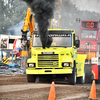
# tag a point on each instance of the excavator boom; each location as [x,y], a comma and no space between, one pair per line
[29,24]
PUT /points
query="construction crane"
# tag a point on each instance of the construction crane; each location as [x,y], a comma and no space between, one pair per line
[56,21]
[29,26]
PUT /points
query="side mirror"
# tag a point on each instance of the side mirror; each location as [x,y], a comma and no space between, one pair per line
[77,43]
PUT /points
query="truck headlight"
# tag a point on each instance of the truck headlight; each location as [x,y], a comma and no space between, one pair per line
[66,64]
[31,65]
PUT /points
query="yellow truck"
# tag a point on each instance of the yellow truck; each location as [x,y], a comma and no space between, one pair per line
[60,60]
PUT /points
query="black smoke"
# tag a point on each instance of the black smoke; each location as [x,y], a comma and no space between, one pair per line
[43,10]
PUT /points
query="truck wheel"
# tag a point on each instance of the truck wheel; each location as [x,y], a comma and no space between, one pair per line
[88,73]
[31,78]
[81,80]
[72,77]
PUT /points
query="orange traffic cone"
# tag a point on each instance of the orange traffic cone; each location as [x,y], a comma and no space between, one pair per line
[93,91]
[52,95]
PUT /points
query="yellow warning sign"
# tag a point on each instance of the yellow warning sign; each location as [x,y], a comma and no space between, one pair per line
[5,60]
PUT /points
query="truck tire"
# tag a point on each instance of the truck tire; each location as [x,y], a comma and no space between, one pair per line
[81,80]
[73,76]
[31,78]
[88,73]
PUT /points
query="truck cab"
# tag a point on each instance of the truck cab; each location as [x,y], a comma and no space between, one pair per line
[59,60]
[89,36]
[89,45]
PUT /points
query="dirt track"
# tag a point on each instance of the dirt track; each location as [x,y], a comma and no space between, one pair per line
[16,87]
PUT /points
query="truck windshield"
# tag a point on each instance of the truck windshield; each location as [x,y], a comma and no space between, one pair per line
[89,34]
[58,41]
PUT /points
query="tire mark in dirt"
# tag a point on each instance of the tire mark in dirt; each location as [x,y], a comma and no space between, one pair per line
[10,88]
[74,96]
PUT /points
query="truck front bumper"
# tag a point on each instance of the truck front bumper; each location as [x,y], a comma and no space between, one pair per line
[49,71]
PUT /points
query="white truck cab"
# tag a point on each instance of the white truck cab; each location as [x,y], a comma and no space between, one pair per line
[6,41]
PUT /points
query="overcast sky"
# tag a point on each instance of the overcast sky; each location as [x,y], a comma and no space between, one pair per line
[89,5]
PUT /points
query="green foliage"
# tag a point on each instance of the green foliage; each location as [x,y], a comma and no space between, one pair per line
[11,14]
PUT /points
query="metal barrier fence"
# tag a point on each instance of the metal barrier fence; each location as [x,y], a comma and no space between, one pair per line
[8,57]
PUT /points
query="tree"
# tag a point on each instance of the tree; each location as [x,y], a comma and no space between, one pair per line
[11,14]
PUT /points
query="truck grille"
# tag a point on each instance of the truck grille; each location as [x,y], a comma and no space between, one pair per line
[48,60]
